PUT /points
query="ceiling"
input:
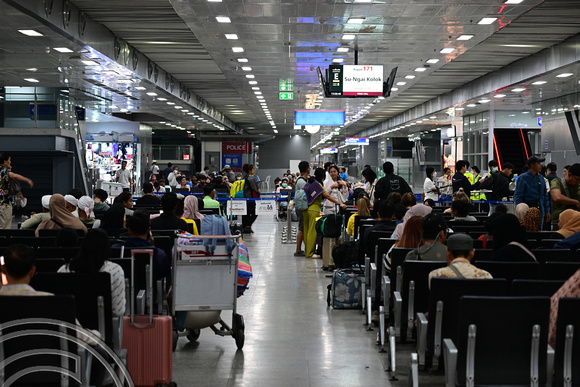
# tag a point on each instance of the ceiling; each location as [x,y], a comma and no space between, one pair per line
[281,39]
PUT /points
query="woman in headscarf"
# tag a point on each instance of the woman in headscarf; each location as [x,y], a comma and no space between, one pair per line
[60,217]
[114,218]
[521,210]
[191,208]
[416,210]
[533,220]
[569,223]
[509,239]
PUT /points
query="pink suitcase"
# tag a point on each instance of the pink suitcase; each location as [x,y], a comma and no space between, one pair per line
[148,340]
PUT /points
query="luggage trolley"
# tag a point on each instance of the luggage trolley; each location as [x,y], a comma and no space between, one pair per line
[204,284]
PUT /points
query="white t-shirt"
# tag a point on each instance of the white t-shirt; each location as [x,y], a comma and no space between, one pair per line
[117,285]
[123,176]
[427,189]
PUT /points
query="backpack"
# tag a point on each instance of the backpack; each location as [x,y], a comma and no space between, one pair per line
[216,225]
[300,201]
[329,226]
[345,254]
[359,193]
[237,190]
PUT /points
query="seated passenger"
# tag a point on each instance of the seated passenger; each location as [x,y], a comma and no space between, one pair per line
[126,199]
[363,206]
[179,213]
[182,184]
[408,200]
[429,202]
[158,189]
[416,210]
[509,239]
[114,218]
[168,220]
[100,198]
[410,238]
[191,210]
[71,204]
[533,220]
[86,214]
[461,196]
[209,198]
[460,251]
[460,212]
[434,235]
[19,269]
[60,217]
[385,222]
[148,199]
[570,289]
[568,223]
[521,211]
[92,259]
[400,211]
[36,219]
[283,185]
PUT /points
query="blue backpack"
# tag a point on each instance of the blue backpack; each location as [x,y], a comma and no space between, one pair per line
[216,225]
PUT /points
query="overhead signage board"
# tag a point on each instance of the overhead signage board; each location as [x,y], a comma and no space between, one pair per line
[325,151]
[356,80]
[286,96]
[319,117]
[356,141]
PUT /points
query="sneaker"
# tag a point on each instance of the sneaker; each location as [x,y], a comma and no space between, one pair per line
[316,256]
[300,254]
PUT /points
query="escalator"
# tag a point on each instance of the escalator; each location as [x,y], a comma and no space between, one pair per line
[511,145]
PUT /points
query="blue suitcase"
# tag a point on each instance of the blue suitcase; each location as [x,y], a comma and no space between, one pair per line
[345,291]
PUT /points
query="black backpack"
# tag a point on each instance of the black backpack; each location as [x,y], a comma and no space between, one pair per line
[329,226]
[346,254]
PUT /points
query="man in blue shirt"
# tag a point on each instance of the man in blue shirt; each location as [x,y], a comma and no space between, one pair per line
[531,188]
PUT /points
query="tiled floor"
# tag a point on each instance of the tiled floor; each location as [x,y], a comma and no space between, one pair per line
[292,338]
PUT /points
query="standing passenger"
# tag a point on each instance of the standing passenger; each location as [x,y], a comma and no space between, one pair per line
[304,168]
[6,196]
[390,183]
[250,191]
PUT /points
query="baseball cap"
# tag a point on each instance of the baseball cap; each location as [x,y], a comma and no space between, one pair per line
[459,242]
[575,169]
[534,159]
[433,224]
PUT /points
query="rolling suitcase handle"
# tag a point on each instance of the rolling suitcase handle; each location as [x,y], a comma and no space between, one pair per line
[149,282]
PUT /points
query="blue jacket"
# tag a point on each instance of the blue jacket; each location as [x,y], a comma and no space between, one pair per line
[530,188]
[570,243]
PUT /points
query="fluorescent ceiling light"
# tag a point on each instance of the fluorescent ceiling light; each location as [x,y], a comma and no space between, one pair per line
[518,89]
[247,68]
[460,108]
[253,82]
[90,62]
[431,61]
[161,99]
[471,105]
[251,76]
[31,80]
[30,32]
[140,88]
[342,49]
[394,89]
[483,100]
[564,75]
[447,50]
[170,103]
[275,131]
[243,60]
[355,20]
[363,1]
[401,83]
[223,19]
[433,117]
[338,60]
[487,20]
[178,107]
[539,83]
[33,69]
[214,1]
[409,77]
[258,92]
[255,88]
[420,69]
[465,37]
[513,1]
[348,37]
[238,49]
[499,95]
[231,36]
[63,49]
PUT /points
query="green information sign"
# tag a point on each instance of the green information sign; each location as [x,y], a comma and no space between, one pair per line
[286,85]
[286,96]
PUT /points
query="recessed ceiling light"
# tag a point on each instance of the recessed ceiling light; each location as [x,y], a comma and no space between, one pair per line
[499,95]
[431,61]
[420,69]
[90,63]
[342,49]
[513,1]
[539,83]
[258,92]
[484,100]
[409,77]
[355,20]
[401,83]
[394,89]
[247,68]
[251,76]
[190,113]
[564,75]
[348,37]
[253,82]
[178,107]
[31,80]
[255,88]
[459,108]
[231,36]
[487,20]
[363,1]
[33,69]
[275,131]
[433,117]
[447,50]
[63,49]
[223,19]
[471,105]
[538,108]
[238,49]
[30,32]
[338,60]
[525,112]
[243,60]
[518,89]
[161,99]
[465,37]
[140,88]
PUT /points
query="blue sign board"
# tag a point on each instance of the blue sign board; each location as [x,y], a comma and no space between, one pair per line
[234,160]
[356,141]
[539,121]
[319,117]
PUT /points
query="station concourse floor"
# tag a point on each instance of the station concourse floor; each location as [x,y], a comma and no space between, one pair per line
[292,338]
